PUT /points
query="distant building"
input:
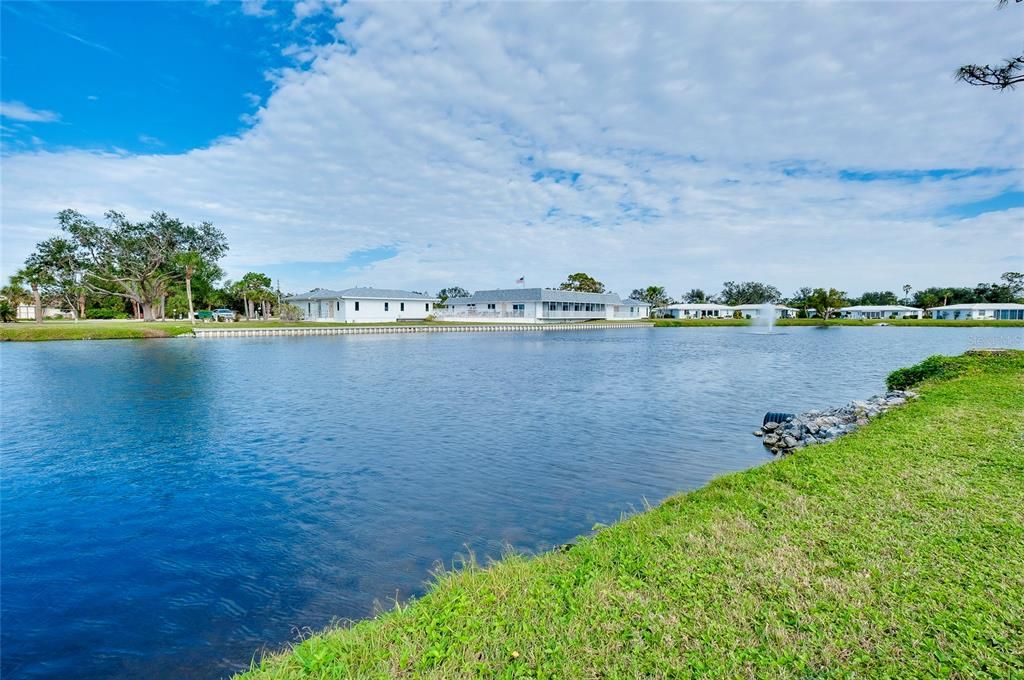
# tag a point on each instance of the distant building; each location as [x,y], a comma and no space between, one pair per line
[541,305]
[880,312]
[363,305]
[980,311]
[757,311]
[28,312]
[696,310]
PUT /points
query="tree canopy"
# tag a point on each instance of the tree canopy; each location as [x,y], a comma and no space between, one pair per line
[137,260]
[1005,76]
[696,296]
[582,283]
[451,292]
[748,293]
[880,297]
[655,296]
[826,302]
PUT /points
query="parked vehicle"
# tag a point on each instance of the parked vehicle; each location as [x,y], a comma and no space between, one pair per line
[224,315]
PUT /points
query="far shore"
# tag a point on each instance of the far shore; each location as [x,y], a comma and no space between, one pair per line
[130,329]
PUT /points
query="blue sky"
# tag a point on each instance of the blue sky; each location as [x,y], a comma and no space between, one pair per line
[425,145]
[145,77]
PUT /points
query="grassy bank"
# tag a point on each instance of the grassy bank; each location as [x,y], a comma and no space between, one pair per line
[121,330]
[897,551]
[838,322]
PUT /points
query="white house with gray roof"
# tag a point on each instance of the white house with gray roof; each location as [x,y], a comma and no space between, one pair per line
[696,310]
[881,312]
[541,305]
[980,311]
[363,305]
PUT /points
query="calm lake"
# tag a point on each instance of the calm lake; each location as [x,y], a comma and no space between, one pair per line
[171,507]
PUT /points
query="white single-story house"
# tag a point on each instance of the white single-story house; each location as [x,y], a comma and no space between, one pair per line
[541,305]
[983,311]
[880,312]
[363,305]
[756,311]
[696,310]
[28,312]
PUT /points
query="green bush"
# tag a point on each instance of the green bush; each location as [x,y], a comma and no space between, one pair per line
[937,366]
[105,313]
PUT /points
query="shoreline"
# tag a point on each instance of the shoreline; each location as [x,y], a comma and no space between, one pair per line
[143,330]
[896,549]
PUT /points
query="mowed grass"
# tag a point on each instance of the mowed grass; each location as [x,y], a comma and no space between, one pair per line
[838,322]
[897,551]
[120,330]
[91,330]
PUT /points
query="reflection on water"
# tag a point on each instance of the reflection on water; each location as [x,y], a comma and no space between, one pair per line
[169,507]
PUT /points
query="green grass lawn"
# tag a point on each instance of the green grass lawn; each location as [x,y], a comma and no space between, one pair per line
[897,551]
[837,322]
[110,330]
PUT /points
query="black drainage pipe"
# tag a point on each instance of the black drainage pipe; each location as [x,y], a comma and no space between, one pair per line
[773,417]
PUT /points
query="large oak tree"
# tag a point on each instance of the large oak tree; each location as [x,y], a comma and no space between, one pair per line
[138,260]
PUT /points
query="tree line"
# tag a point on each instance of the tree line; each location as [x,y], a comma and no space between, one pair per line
[1009,288]
[824,301]
[152,269]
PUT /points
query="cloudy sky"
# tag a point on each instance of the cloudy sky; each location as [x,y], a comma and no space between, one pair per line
[425,145]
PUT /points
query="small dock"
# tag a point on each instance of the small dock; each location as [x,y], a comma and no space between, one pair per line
[425,328]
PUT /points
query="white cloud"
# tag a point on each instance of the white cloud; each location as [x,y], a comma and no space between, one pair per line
[19,111]
[438,128]
[256,8]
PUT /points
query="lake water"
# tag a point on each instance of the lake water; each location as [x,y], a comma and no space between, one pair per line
[170,507]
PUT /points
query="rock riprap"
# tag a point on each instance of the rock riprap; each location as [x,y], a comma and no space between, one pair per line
[820,427]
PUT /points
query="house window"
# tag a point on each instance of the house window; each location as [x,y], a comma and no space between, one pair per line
[491,305]
[309,307]
[565,306]
[401,306]
[518,308]
[426,307]
[338,304]
[357,305]
[385,306]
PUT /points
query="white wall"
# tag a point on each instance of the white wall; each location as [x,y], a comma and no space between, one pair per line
[369,311]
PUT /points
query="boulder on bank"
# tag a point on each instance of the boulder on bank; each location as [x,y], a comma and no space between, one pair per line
[820,427]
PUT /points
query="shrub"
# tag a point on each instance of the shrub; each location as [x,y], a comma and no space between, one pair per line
[105,313]
[937,367]
[286,312]
[8,314]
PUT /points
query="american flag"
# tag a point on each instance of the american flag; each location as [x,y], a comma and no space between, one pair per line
[521,279]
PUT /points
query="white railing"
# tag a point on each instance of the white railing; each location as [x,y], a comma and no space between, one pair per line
[572,314]
[481,314]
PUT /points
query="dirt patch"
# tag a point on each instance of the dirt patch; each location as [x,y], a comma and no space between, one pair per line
[154,333]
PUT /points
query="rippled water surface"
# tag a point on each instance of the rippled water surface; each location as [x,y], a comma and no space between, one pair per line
[170,507]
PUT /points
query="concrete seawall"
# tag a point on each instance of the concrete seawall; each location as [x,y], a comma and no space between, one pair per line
[381,330]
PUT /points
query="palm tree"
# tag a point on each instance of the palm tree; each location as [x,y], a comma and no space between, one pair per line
[190,261]
[34,277]
[906,292]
